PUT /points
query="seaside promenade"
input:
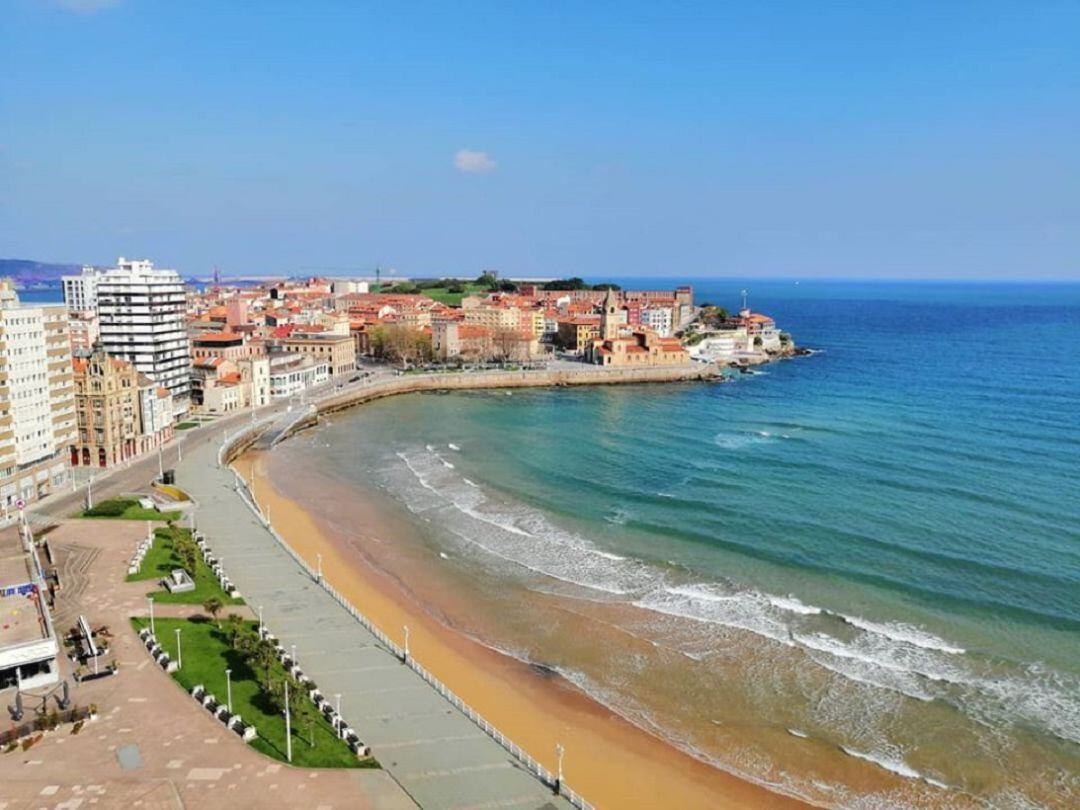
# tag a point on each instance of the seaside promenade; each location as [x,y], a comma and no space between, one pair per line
[438,755]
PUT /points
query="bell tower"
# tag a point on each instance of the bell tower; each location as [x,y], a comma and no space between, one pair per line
[609,320]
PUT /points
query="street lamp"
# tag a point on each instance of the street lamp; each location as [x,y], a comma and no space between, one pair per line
[150,599]
[559,751]
[318,559]
[160,464]
[288,729]
[294,655]
[179,655]
[228,689]
[337,701]
[406,641]
[260,622]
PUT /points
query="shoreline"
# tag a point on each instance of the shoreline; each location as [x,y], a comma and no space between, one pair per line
[609,760]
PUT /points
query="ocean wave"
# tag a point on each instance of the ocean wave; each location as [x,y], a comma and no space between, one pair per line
[518,534]
[902,632]
[898,657]
[893,765]
[792,604]
[737,441]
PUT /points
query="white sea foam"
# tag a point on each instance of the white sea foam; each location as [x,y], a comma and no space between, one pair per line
[794,732]
[518,534]
[707,603]
[454,447]
[897,766]
[902,632]
[898,657]
[792,604]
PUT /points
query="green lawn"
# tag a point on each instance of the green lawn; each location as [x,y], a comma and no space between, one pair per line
[127,509]
[186,425]
[206,655]
[161,560]
[443,294]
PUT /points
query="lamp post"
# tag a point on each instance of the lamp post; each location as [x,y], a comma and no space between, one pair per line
[89,492]
[160,464]
[294,655]
[559,751]
[260,622]
[337,703]
[228,689]
[288,729]
[179,655]
[406,642]
[318,560]
[150,599]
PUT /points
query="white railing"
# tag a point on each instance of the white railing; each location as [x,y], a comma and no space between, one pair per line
[522,756]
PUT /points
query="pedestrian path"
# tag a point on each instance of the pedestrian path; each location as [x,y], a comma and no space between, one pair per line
[436,753]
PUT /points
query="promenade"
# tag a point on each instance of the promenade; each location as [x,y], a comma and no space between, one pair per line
[439,757]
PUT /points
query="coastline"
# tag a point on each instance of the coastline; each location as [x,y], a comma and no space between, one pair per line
[612,762]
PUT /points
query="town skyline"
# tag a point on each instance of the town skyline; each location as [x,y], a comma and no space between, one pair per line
[779,141]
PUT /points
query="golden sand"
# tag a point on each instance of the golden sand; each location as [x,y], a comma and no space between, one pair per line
[611,762]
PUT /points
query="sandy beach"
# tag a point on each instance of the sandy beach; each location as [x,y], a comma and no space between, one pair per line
[609,760]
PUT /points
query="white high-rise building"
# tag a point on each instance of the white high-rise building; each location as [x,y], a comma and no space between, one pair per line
[38,423]
[141,320]
[80,292]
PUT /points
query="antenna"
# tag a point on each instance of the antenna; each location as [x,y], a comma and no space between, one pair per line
[378,275]
[744,304]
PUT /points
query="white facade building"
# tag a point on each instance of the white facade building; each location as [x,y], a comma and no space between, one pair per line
[141,318]
[658,319]
[291,373]
[80,292]
[38,423]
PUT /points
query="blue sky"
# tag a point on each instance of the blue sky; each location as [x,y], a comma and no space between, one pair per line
[859,139]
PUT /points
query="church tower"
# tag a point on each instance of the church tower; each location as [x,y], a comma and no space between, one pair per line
[609,320]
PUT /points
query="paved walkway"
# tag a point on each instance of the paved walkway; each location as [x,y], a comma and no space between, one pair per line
[152,746]
[440,757]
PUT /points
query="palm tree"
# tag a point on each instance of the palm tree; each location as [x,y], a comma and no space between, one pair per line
[264,656]
[234,629]
[213,606]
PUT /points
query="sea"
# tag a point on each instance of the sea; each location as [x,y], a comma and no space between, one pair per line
[857,563]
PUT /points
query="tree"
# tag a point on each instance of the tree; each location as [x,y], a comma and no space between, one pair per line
[263,655]
[302,712]
[488,280]
[505,344]
[574,283]
[213,606]
[234,630]
[606,286]
[186,550]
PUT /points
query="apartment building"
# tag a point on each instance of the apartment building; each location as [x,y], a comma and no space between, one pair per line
[37,400]
[141,318]
[80,292]
[338,350]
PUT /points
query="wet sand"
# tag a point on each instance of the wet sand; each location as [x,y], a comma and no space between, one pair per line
[610,761]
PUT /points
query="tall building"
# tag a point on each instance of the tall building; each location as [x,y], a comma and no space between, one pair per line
[37,400]
[141,320]
[80,292]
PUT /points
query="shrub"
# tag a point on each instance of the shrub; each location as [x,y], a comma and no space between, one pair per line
[111,508]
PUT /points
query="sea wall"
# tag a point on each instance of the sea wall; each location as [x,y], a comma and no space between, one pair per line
[414,383]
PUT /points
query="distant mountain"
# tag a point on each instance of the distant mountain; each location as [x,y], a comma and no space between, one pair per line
[27,271]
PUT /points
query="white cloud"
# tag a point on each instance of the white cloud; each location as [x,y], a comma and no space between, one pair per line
[473,162]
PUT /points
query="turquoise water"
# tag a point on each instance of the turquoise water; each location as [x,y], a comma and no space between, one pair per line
[893,522]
